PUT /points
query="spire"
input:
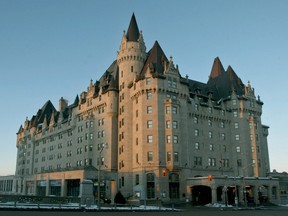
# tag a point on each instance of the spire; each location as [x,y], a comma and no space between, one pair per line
[133,31]
[217,68]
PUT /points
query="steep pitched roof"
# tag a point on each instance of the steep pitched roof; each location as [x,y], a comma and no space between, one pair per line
[217,68]
[225,83]
[155,61]
[133,31]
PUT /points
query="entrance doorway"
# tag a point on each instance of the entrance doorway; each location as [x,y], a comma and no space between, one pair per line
[201,195]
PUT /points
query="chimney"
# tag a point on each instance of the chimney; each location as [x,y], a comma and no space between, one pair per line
[62,104]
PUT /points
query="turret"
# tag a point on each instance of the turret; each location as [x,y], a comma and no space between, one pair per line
[132,53]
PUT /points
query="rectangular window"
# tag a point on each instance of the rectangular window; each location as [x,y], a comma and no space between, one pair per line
[174,110]
[149,124]
[195,120]
[168,139]
[222,124]
[175,124]
[168,124]
[234,102]
[223,136]
[137,179]
[197,146]
[209,122]
[176,157]
[197,161]
[237,137]
[196,132]
[149,139]
[149,95]
[239,162]
[225,162]
[149,109]
[235,114]
[168,109]
[149,156]
[175,139]
[168,156]
[210,135]
[236,125]
[196,107]
[211,148]
[148,80]
[212,162]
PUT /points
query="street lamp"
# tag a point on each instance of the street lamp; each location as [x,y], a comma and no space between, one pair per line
[99,174]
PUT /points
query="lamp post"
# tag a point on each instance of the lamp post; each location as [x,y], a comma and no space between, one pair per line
[99,176]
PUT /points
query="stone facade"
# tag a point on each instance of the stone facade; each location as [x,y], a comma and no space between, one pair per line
[146,128]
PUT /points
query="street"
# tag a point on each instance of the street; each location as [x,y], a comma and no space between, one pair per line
[275,211]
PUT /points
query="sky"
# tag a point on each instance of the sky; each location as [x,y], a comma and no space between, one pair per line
[52,48]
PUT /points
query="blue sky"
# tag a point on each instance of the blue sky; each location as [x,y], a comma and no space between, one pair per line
[52,48]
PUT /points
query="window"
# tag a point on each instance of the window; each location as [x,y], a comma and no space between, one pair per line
[149,139]
[168,139]
[132,68]
[239,162]
[168,156]
[197,161]
[149,124]
[237,137]
[149,156]
[149,95]
[197,146]
[211,148]
[176,157]
[137,179]
[148,80]
[223,136]
[149,109]
[225,162]
[210,110]
[168,124]
[175,139]
[168,109]
[209,122]
[174,84]
[235,114]
[222,124]
[234,102]
[175,124]
[174,110]
[196,107]
[195,120]
[212,162]
[136,113]
[210,134]
[224,148]
[91,124]
[238,149]
[196,132]
[252,149]
[236,125]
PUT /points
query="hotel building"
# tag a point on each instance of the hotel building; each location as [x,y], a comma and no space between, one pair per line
[151,133]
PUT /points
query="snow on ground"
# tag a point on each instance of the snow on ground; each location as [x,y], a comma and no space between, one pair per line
[78,206]
[217,205]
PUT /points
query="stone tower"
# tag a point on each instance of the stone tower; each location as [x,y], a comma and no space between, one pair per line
[131,58]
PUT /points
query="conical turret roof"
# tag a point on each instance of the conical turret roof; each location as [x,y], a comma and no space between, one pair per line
[133,31]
